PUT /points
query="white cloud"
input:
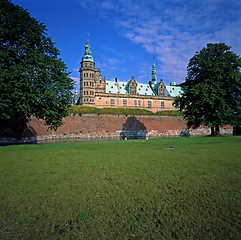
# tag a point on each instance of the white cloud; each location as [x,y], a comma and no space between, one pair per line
[75,79]
[174,30]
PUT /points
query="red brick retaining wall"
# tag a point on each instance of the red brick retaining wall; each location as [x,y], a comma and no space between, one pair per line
[94,126]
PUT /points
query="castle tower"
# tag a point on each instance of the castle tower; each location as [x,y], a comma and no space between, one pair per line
[90,78]
[87,76]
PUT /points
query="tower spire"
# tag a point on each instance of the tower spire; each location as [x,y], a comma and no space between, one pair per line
[87,55]
[153,72]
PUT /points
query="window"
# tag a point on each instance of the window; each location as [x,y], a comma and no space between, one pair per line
[162,105]
[124,102]
[86,74]
[112,102]
[149,103]
[139,103]
[135,103]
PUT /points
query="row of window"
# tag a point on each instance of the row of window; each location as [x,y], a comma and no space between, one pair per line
[91,84]
[91,75]
[89,93]
[137,103]
[88,100]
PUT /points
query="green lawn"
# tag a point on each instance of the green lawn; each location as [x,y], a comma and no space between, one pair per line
[133,189]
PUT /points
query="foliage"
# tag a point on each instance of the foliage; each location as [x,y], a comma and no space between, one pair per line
[33,80]
[124,111]
[213,88]
[132,189]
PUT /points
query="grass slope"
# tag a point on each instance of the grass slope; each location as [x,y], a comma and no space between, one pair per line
[122,190]
[125,111]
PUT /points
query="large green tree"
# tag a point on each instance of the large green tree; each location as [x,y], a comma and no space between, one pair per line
[212,88]
[33,79]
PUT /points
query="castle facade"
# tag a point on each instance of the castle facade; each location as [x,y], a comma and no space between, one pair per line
[96,91]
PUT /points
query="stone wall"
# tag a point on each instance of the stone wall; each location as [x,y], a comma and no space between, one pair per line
[90,127]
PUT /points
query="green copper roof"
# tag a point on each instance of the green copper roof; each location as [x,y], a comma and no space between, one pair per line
[123,88]
[87,56]
[142,89]
[173,91]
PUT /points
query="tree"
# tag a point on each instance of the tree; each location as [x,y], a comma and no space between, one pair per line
[33,80]
[212,89]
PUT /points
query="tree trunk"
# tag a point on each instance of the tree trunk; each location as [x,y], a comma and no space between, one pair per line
[212,131]
[217,130]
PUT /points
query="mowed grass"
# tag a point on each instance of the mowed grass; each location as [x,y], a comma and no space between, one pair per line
[133,189]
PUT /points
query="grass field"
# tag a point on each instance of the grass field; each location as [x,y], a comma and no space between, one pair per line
[133,189]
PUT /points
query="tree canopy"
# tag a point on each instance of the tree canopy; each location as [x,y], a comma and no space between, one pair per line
[33,79]
[212,94]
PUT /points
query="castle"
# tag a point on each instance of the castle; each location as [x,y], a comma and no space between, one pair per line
[96,91]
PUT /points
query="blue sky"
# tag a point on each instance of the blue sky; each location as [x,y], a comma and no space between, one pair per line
[126,34]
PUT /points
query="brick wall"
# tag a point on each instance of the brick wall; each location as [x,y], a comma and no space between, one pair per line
[97,127]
